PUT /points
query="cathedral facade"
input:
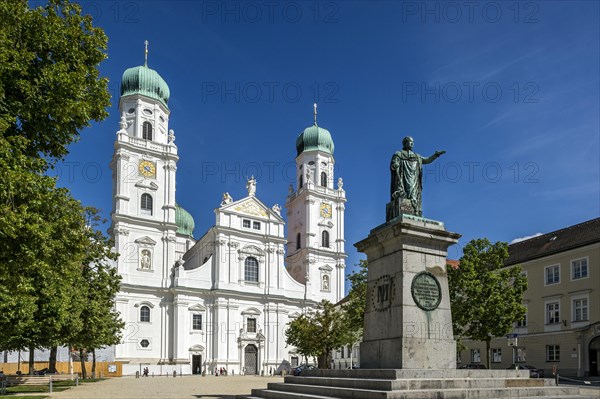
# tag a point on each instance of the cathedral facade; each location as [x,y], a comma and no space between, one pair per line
[224,300]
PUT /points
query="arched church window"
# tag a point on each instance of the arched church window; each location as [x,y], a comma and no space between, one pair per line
[298,243]
[323,179]
[251,269]
[147,131]
[325,283]
[145,314]
[301,181]
[146,260]
[146,204]
[325,239]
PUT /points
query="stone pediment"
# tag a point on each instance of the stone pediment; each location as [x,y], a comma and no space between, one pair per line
[145,241]
[252,250]
[251,206]
[196,348]
[251,312]
[326,268]
[328,223]
[147,184]
[197,308]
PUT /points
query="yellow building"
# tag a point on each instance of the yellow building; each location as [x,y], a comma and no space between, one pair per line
[562,324]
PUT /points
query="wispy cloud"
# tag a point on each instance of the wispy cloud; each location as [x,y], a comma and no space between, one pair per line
[519,239]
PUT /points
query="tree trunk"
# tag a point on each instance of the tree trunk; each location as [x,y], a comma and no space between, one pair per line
[52,359]
[31,360]
[94,363]
[82,360]
[487,351]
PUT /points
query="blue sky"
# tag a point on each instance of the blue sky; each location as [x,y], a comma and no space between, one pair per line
[509,89]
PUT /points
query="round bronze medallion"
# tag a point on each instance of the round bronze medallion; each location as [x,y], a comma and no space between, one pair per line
[426,291]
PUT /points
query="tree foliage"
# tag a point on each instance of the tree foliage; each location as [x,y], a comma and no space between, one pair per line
[354,308]
[49,81]
[317,333]
[49,90]
[485,297]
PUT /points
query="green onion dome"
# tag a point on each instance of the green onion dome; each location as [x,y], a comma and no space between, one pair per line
[184,221]
[145,81]
[314,138]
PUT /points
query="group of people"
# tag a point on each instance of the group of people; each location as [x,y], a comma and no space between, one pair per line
[220,371]
[145,372]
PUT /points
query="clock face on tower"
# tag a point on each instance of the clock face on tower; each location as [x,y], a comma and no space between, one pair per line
[325,210]
[147,169]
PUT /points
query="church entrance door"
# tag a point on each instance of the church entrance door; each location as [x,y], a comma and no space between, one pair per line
[594,355]
[251,360]
[196,364]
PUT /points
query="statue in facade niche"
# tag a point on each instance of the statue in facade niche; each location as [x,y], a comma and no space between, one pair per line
[406,169]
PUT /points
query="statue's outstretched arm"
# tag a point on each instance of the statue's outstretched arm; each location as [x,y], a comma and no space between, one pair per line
[433,157]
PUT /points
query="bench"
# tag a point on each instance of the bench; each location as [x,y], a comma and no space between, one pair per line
[38,380]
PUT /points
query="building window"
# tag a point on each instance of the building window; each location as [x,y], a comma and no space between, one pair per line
[256,225]
[145,314]
[298,243]
[323,179]
[521,355]
[246,223]
[523,321]
[475,356]
[301,181]
[552,313]
[552,274]
[251,325]
[147,131]
[144,343]
[251,269]
[552,353]
[579,268]
[342,352]
[580,309]
[325,239]
[496,355]
[197,322]
[146,204]
[146,260]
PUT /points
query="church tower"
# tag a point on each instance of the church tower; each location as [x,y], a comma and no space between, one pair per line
[315,254]
[151,232]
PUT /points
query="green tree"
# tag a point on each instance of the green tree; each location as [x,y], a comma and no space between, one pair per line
[318,333]
[49,89]
[353,309]
[43,241]
[49,81]
[485,297]
[101,324]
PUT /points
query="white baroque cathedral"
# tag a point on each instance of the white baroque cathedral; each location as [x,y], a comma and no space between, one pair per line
[225,300]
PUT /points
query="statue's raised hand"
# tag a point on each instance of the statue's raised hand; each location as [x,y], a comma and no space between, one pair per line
[439,153]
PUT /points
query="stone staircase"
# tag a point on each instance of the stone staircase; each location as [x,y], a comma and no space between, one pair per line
[415,384]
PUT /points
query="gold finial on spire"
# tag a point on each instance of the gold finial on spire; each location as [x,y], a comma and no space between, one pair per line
[146,53]
[315,107]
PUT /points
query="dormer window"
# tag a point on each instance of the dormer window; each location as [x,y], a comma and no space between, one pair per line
[147,131]
[246,223]
[256,225]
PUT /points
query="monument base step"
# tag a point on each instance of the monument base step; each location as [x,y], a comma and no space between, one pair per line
[415,384]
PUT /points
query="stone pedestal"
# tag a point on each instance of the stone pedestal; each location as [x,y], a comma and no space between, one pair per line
[408,324]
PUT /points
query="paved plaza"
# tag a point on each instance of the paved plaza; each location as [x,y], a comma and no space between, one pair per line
[209,387]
